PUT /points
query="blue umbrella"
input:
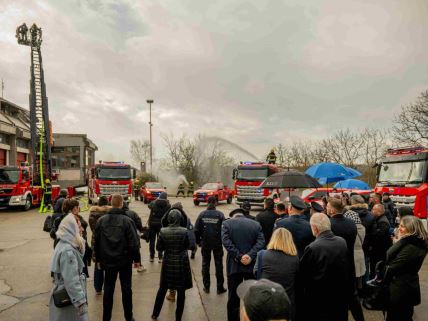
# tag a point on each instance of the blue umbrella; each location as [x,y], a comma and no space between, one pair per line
[352,184]
[329,172]
[353,172]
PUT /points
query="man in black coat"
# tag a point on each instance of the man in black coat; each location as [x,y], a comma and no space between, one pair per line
[297,225]
[267,219]
[390,206]
[324,272]
[381,238]
[208,236]
[242,239]
[158,209]
[347,229]
[376,198]
[116,248]
[139,226]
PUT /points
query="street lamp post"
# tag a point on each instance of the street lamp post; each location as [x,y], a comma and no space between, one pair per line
[150,102]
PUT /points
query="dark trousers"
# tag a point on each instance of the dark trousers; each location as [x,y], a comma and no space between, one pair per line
[153,234]
[125,277]
[355,308]
[400,313]
[160,297]
[233,281]
[218,261]
[98,278]
[180,193]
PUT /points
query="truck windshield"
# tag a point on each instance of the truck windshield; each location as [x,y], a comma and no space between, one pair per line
[9,176]
[210,186]
[404,172]
[114,173]
[256,174]
[154,185]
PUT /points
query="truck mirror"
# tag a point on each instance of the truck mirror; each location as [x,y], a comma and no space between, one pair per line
[134,172]
[234,173]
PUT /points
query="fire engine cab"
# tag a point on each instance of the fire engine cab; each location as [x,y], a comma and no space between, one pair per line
[403,173]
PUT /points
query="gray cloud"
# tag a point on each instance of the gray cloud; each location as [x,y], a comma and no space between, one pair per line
[255,72]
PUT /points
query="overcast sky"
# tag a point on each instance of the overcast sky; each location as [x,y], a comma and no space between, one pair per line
[255,72]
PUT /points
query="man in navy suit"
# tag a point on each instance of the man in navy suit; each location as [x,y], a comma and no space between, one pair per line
[242,239]
[297,224]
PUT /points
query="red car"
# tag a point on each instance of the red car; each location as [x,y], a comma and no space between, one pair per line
[221,193]
[316,195]
[151,191]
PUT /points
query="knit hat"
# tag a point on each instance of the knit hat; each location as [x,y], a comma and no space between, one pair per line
[163,196]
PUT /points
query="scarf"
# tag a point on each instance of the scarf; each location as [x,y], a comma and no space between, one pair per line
[69,232]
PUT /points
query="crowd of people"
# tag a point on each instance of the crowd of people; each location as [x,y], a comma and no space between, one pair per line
[292,261]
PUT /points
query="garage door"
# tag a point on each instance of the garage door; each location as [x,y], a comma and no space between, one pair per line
[21,158]
[3,154]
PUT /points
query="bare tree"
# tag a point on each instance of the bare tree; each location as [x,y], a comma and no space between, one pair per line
[344,147]
[411,125]
[140,150]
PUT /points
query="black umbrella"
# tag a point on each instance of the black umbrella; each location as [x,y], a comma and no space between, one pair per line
[290,179]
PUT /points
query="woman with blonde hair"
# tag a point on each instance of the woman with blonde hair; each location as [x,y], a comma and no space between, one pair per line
[279,263]
[67,269]
[403,262]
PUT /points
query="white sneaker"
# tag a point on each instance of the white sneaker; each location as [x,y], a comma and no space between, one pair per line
[141,268]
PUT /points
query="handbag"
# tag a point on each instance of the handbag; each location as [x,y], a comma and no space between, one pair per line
[378,290]
[47,225]
[259,264]
[61,298]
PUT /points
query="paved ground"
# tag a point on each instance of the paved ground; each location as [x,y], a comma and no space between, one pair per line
[25,252]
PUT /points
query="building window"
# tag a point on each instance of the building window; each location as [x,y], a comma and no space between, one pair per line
[65,157]
[22,143]
[4,139]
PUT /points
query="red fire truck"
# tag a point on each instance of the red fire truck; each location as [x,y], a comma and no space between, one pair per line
[248,177]
[17,190]
[108,178]
[403,173]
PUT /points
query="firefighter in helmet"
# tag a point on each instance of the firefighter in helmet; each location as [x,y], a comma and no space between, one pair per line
[180,190]
[271,157]
[190,189]
[47,196]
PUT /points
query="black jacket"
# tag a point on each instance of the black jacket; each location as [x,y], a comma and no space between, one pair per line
[58,205]
[368,221]
[301,230]
[346,229]
[241,236]
[324,276]
[381,238]
[390,206]
[184,222]
[267,220]
[116,240]
[208,228]
[158,209]
[174,242]
[403,262]
[280,268]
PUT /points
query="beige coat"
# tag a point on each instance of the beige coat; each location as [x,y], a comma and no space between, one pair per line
[360,266]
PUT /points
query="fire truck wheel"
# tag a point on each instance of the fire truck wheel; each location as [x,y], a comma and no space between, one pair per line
[28,203]
[196,203]
[229,199]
